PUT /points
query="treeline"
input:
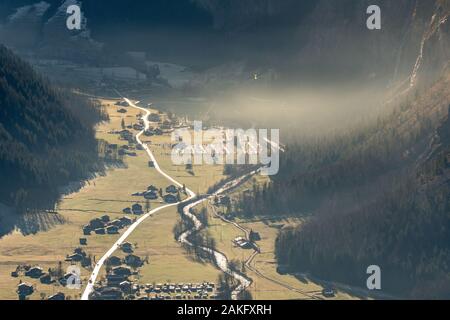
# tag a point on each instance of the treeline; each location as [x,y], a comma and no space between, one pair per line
[377,195]
[317,170]
[46,136]
[403,227]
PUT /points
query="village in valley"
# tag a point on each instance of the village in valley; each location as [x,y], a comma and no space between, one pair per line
[121,277]
[147,266]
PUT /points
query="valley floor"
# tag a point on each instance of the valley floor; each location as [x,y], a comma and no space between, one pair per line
[168,262]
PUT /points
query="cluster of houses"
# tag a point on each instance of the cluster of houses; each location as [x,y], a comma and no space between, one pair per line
[135,209]
[153,132]
[79,256]
[118,284]
[25,289]
[181,291]
[126,135]
[172,196]
[127,150]
[249,243]
[47,278]
[33,272]
[116,290]
[104,225]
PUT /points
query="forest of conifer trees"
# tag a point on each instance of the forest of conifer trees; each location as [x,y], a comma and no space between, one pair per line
[46,136]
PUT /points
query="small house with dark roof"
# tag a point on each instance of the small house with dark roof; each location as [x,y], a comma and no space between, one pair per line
[46,279]
[35,272]
[127,247]
[114,261]
[87,230]
[58,297]
[96,224]
[172,189]
[125,221]
[112,230]
[151,195]
[133,261]
[170,198]
[137,209]
[123,271]
[100,231]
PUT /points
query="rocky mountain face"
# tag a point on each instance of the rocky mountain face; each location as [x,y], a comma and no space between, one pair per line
[41,28]
[290,35]
[412,45]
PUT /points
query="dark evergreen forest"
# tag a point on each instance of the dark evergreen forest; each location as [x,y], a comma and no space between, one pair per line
[46,136]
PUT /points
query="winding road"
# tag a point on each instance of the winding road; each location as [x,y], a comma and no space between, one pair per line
[92,279]
[221,259]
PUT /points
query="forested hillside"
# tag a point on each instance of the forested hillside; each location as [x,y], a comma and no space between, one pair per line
[46,136]
[404,228]
[378,195]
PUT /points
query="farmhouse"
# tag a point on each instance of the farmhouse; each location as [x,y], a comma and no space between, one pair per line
[46,279]
[170,198]
[24,289]
[125,221]
[172,189]
[83,241]
[151,195]
[100,231]
[76,257]
[127,210]
[35,272]
[137,209]
[133,261]
[116,223]
[105,219]
[96,224]
[107,293]
[242,243]
[87,230]
[58,296]
[112,230]
[121,271]
[126,135]
[152,188]
[122,103]
[328,292]
[115,279]
[127,247]
[114,261]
